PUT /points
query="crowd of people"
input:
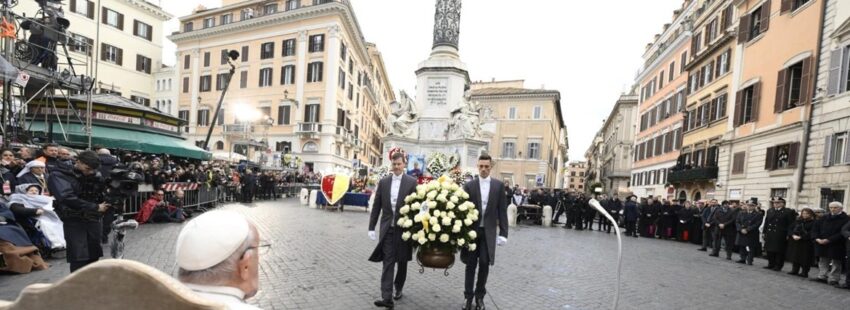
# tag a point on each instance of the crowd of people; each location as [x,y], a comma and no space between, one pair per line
[814,238]
[52,197]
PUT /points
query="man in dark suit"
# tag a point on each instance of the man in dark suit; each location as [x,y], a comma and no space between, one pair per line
[391,249]
[486,193]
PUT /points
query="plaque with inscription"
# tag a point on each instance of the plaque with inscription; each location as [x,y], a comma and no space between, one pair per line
[437,91]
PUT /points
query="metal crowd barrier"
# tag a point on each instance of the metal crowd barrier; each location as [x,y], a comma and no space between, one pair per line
[202,197]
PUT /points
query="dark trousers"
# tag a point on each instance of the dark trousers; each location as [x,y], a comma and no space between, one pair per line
[480,259]
[748,253]
[108,218]
[390,249]
[588,221]
[706,237]
[630,228]
[776,259]
[247,194]
[727,235]
[604,224]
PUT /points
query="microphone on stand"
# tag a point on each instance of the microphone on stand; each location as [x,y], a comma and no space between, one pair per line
[595,204]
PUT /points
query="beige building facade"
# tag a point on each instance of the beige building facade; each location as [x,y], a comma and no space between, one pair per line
[128,49]
[306,82]
[662,83]
[575,176]
[710,97]
[525,131]
[617,140]
[777,44]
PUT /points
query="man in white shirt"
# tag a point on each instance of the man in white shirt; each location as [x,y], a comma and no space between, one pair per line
[391,249]
[487,195]
[218,258]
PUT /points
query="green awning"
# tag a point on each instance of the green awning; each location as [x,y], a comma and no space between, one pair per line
[125,139]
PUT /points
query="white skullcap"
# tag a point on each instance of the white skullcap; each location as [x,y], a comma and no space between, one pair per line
[210,239]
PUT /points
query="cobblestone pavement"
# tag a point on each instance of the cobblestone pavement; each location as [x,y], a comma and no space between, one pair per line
[318,261]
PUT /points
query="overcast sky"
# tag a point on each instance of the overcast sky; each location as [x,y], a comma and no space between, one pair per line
[590,51]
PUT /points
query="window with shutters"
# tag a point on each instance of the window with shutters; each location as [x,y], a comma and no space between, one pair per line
[265,77]
[350,91]
[723,63]
[141,100]
[223,57]
[204,117]
[283,114]
[186,61]
[782,156]
[661,80]
[314,72]
[509,150]
[80,44]
[267,50]
[534,150]
[219,120]
[719,110]
[111,54]
[226,18]
[537,112]
[711,31]
[696,43]
[796,4]
[317,43]
[206,59]
[289,47]
[143,64]
[311,113]
[269,8]
[185,84]
[671,71]
[142,30]
[243,79]
[292,4]
[244,54]
[220,81]
[113,18]
[792,86]
[683,61]
[341,80]
[209,22]
[738,163]
[287,75]
[830,195]
[84,7]
[512,113]
[837,149]
[748,105]
[188,27]
[205,83]
[757,20]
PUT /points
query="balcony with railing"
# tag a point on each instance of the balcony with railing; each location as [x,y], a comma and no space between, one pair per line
[693,174]
[308,128]
[238,129]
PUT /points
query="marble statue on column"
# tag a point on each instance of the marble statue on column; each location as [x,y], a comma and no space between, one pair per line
[466,119]
[403,118]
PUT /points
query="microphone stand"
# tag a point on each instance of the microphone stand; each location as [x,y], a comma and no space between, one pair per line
[595,204]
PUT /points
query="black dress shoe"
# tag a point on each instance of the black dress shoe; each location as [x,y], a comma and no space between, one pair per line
[479,303]
[768,267]
[398,295]
[713,255]
[384,303]
[818,280]
[740,261]
[702,249]
[468,304]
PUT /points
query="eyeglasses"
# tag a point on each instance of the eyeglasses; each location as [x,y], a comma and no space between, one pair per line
[262,249]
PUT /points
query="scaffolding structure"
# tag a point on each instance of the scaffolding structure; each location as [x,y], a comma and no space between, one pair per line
[37,68]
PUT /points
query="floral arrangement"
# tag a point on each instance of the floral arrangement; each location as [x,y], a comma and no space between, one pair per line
[439,216]
[381,172]
[460,177]
[396,150]
[437,164]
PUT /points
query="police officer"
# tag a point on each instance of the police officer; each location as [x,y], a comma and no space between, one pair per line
[78,210]
[777,223]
